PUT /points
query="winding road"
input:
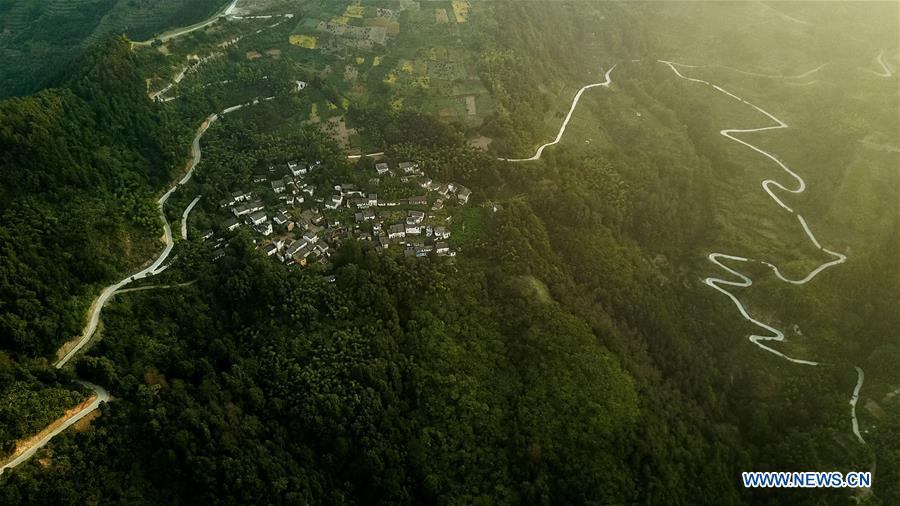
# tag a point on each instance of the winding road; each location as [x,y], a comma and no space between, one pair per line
[68,350]
[738,280]
[798,186]
[742,281]
[565,123]
[75,346]
[154,268]
[886,70]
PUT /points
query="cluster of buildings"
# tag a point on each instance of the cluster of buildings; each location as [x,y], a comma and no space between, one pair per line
[302,225]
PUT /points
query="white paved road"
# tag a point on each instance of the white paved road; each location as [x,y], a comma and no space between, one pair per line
[798,186]
[860,378]
[565,123]
[153,268]
[178,32]
[184,217]
[100,395]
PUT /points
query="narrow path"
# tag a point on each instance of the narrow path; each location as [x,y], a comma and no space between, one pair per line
[770,76]
[783,15]
[184,217]
[357,157]
[565,123]
[154,287]
[195,65]
[190,67]
[798,186]
[886,70]
[100,395]
[860,377]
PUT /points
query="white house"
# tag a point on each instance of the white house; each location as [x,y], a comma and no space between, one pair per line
[231,224]
[334,202]
[264,228]
[415,217]
[408,167]
[297,168]
[396,231]
[258,218]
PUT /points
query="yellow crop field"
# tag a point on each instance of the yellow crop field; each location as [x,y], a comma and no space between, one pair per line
[355,11]
[461,10]
[360,60]
[377,61]
[391,77]
[307,41]
[406,66]
[340,20]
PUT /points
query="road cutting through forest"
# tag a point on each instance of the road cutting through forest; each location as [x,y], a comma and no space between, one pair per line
[743,281]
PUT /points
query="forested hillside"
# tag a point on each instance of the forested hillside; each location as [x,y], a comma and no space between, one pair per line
[80,166]
[38,38]
[571,351]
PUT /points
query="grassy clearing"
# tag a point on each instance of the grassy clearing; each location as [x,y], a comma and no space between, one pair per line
[305,41]
[461,10]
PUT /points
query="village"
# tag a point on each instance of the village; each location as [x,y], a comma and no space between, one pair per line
[300,223]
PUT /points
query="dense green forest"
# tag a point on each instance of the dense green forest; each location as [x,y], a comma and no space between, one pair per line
[80,166]
[569,354]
